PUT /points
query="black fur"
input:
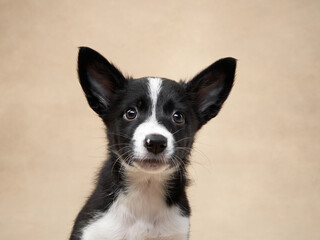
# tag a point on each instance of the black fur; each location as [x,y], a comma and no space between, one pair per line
[110,94]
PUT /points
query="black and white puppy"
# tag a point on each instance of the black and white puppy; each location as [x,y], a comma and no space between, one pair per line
[151,123]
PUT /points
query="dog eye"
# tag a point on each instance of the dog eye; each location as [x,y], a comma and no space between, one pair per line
[178,117]
[130,114]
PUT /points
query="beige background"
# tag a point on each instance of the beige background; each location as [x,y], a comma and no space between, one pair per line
[256,168]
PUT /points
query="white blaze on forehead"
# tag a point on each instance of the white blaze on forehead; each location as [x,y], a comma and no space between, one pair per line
[154,90]
[151,125]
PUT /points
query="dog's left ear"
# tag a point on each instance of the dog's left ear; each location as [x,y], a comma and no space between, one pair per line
[211,87]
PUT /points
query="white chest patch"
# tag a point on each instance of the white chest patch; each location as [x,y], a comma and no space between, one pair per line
[139,214]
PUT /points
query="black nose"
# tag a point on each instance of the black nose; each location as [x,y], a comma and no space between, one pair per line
[155,143]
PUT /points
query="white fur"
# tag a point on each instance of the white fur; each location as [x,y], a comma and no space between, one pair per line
[154,90]
[140,214]
[152,126]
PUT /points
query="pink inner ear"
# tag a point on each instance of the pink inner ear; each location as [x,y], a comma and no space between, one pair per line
[209,92]
[101,81]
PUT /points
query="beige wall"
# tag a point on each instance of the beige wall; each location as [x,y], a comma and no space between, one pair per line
[256,167]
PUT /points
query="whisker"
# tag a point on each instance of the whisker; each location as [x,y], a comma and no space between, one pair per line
[119,144]
[183,139]
[119,157]
[120,135]
[177,131]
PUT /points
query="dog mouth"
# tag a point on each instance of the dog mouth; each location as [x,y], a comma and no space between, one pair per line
[151,164]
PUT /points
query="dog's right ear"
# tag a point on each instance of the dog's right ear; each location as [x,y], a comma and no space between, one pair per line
[100,80]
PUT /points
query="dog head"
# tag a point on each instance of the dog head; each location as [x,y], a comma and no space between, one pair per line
[151,122]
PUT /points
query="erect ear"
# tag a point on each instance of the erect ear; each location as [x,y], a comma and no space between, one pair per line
[100,80]
[211,87]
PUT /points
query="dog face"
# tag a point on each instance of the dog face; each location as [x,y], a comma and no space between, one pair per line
[152,122]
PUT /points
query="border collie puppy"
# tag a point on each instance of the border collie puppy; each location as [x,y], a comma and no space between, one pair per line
[151,123]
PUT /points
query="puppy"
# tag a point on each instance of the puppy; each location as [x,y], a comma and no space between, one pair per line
[151,123]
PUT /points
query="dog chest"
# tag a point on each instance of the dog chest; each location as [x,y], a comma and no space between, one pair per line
[138,219]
